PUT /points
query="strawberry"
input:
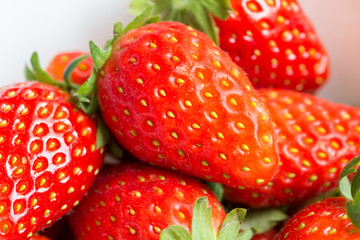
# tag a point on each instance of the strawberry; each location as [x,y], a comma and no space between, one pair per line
[136,201]
[323,220]
[48,157]
[272,40]
[316,140]
[39,237]
[269,235]
[62,60]
[175,100]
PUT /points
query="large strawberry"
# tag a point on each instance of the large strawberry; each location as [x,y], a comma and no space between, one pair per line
[136,201]
[272,40]
[323,220]
[61,61]
[48,157]
[316,140]
[175,100]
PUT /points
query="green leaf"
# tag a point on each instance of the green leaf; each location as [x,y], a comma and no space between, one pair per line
[201,223]
[344,185]
[220,8]
[70,69]
[137,6]
[139,20]
[41,75]
[217,189]
[232,223]
[175,232]
[103,134]
[99,55]
[353,210]
[29,75]
[115,149]
[355,184]
[88,87]
[263,220]
[246,235]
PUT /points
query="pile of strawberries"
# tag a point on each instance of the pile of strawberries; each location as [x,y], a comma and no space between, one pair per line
[193,116]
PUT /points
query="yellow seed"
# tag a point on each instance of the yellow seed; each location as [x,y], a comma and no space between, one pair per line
[297,128]
[233,102]
[257,52]
[18,207]
[181,153]
[64,207]
[159,190]
[52,195]
[173,39]
[294,150]
[340,128]
[174,135]
[240,125]
[321,130]
[301,226]
[152,45]
[225,175]
[188,103]
[149,123]
[133,132]
[3,123]
[205,163]
[137,193]
[245,147]
[155,142]
[235,73]
[335,144]
[306,163]
[132,212]
[180,194]
[225,83]
[208,95]
[216,63]
[200,75]
[47,212]
[157,209]
[170,114]
[220,135]
[195,126]
[156,67]
[253,104]
[260,181]
[214,115]
[180,81]
[132,231]
[222,156]
[181,215]
[70,190]
[322,155]
[267,160]
[266,138]
[245,169]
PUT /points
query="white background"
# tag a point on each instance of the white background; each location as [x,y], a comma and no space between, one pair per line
[52,26]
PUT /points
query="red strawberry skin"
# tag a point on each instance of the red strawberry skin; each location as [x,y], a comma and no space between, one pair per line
[323,220]
[269,235]
[48,157]
[136,201]
[175,100]
[59,63]
[275,43]
[39,237]
[316,140]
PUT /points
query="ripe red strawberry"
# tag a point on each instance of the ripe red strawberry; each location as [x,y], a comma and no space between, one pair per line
[136,201]
[48,157]
[272,40]
[175,100]
[316,140]
[61,61]
[275,43]
[39,237]
[323,220]
[269,235]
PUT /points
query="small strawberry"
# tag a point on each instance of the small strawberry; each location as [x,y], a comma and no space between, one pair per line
[316,140]
[48,157]
[175,100]
[136,201]
[272,40]
[62,60]
[323,220]
[269,235]
[39,237]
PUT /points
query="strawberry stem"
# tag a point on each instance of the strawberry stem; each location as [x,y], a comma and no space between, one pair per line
[198,14]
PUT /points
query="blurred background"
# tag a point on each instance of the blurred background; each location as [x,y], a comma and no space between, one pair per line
[50,27]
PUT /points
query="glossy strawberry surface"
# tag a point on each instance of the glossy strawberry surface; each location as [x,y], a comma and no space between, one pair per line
[316,140]
[323,220]
[60,62]
[174,99]
[275,43]
[48,157]
[137,201]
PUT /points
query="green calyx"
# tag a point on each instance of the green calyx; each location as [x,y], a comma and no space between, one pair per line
[85,96]
[351,190]
[196,13]
[202,226]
